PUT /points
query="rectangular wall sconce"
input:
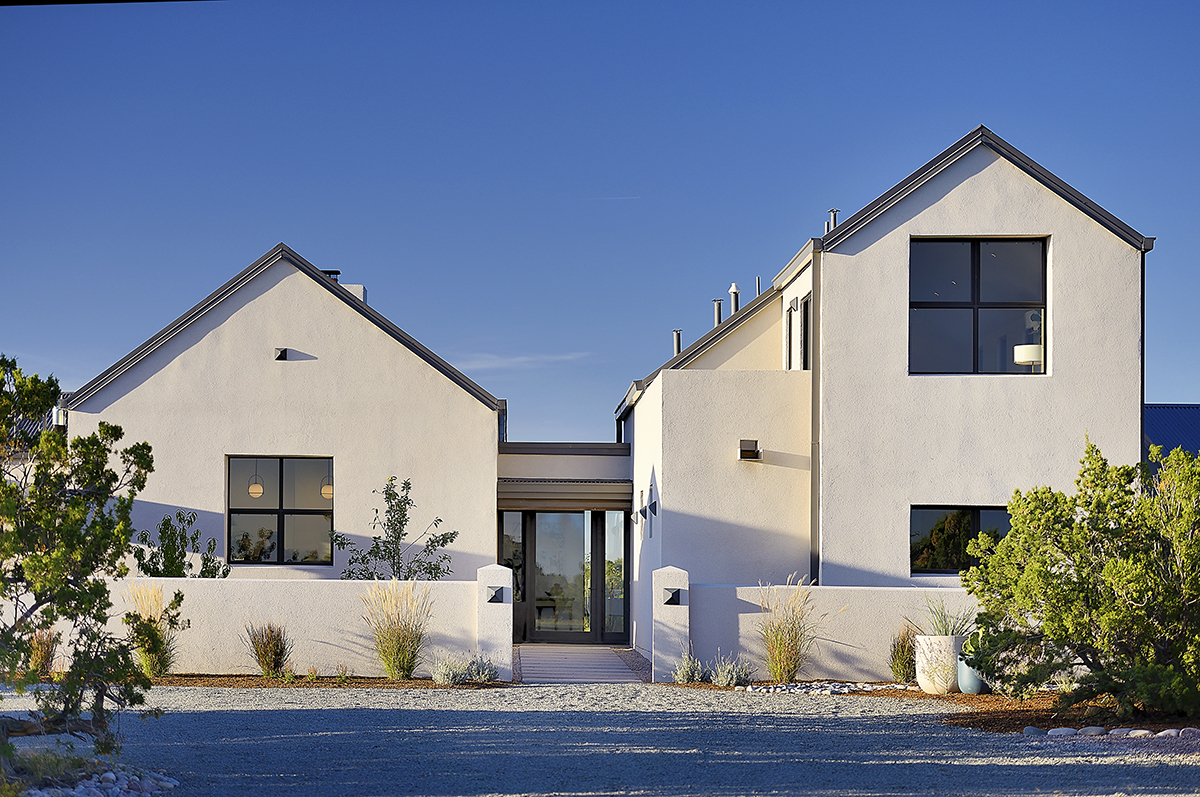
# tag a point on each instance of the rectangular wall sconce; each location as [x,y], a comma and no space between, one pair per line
[281,354]
[749,450]
[495,594]
[672,597]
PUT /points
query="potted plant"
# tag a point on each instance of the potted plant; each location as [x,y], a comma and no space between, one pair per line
[969,679]
[938,647]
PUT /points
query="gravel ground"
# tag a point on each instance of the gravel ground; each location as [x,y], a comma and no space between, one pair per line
[641,739]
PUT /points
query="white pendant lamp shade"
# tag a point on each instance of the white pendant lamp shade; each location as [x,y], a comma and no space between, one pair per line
[1029,354]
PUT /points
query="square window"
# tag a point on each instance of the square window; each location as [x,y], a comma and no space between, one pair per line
[977,307]
[280,510]
[938,535]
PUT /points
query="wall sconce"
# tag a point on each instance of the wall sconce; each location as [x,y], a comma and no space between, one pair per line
[749,450]
[653,508]
[281,354]
[495,594]
[672,597]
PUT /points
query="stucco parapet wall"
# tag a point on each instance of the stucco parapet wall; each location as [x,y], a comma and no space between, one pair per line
[324,620]
[855,628]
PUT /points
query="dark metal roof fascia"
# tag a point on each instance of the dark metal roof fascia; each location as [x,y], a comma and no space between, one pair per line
[279,252]
[981,136]
[631,397]
[567,449]
[813,245]
[702,344]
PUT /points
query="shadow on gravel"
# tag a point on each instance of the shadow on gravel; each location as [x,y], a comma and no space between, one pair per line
[445,752]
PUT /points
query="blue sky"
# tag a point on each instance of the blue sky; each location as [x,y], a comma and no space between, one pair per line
[540,192]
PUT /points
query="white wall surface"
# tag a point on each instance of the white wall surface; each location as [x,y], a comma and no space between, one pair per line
[753,346]
[347,391]
[323,619]
[643,429]
[725,520]
[854,636]
[889,440]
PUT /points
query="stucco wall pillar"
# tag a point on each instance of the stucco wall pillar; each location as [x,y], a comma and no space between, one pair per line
[671,634]
[494,617]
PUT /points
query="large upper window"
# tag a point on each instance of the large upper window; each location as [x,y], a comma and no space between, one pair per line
[977,307]
[938,535]
[280,510]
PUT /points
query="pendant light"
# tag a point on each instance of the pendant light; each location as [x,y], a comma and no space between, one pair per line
[255,486]
[327,484]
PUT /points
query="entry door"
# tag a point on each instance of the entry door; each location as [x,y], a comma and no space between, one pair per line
[570,575]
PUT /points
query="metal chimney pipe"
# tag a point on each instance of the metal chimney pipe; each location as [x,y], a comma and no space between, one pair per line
[678,335]
[758,286]
[833,217]
[717,312]
[734,299]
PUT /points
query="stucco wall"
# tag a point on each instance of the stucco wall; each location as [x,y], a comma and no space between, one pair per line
[643,429]
[725,520]
[324,620]
[890,440]
[347,391]
[753,346]
[854,635]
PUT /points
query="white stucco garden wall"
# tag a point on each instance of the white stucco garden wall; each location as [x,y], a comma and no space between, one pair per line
[347,391]
[643,429]
[890,440]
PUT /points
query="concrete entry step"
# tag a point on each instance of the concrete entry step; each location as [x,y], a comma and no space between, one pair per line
[573,664]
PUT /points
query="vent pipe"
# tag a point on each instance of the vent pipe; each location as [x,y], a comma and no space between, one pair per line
[758,286]
[717,312]
[678,335]
[734,299]
[829,225]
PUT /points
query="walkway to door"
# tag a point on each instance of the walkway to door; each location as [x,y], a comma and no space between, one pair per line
[573,664]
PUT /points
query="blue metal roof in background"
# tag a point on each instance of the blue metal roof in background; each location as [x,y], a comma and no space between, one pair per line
[1172,426]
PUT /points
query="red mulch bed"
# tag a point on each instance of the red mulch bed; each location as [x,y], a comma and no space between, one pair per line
[302,682]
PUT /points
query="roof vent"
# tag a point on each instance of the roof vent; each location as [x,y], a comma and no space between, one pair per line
[717,312]
[735,303]
[829,225]
[678,335]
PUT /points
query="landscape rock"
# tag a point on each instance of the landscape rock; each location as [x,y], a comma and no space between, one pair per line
[1061,732]
[1093,730]
[1032,731]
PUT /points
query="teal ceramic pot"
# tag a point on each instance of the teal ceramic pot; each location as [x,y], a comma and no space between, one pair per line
[969,681]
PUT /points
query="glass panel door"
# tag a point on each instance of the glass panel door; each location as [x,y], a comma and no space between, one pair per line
[562,572]
[614,574]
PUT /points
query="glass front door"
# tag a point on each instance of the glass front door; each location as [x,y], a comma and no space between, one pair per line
[569,575]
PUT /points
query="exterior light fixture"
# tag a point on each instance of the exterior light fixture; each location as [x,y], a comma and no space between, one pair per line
[255,486]
[672,597]
[281,354]
[327,484]
[749,450]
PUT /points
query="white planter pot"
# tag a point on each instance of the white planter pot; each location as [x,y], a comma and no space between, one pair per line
[937,663]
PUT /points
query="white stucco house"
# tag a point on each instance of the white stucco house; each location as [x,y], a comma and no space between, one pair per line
[853,423]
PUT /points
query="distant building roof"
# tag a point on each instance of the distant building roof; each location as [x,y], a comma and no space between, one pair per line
[1172,426]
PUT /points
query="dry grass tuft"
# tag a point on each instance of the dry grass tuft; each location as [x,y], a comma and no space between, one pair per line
[272,648]
[158,657]
[398,616]
[788,628]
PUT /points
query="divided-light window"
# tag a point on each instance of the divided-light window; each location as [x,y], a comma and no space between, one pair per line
[977,307]
[938,535]
[280,510]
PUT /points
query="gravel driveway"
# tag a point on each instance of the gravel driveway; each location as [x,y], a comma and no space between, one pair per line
[641,739]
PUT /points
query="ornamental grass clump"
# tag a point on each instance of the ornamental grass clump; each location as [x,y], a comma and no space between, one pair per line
[155,634]
[455,670]
[903,658]
[731,670]
[788,628]
[43,645]
[271,647]
[398,616]
[941,620]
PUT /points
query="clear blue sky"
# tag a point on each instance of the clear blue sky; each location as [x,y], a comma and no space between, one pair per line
[540,192]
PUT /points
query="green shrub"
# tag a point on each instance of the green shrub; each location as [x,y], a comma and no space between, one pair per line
[903,658]
[731,670]
[1105,583]
[167,557]
[155,627]
[398,617]
[271,647]
[455,670]
[788,628]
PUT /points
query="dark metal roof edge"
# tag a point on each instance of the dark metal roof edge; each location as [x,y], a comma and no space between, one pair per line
[508,480]
[981,136]
[567,449]
[279,252]
[701,345]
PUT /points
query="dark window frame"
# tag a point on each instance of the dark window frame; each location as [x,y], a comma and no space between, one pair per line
[976,527]
[278,513]
[975,305]
[801,307]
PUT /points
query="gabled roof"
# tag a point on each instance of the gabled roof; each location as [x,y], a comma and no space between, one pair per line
[281,252]
[982,137]
[1172,426]
[702,344]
